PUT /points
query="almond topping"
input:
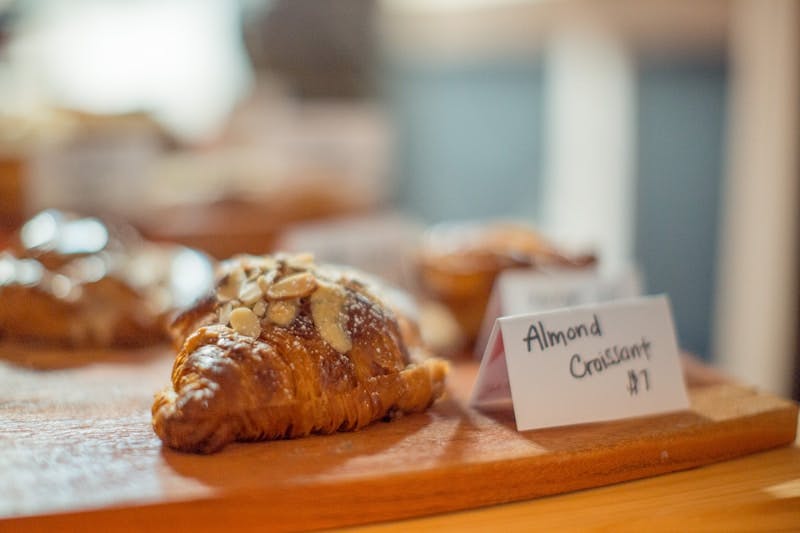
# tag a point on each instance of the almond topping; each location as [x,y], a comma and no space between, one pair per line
[245,322]
[250,293]
[229,288]
[266,280]
[266,263]
[260,308]
[282,312]
[327,310]
[294,286]
[224,312]
[304,260]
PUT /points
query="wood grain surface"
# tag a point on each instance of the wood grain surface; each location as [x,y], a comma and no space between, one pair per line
[759,492]
[76,448]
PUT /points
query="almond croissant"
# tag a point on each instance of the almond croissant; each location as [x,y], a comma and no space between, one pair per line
[73,281]
[286,348]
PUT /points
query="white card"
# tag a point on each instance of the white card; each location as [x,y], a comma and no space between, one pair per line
[527,291]
[583,364]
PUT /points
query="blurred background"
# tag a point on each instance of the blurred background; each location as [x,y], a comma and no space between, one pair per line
[659,133]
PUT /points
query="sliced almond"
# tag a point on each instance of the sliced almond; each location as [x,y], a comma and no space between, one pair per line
[256,263]
[266,263]
[224,312]
[264,281]
[245,322]
[250,293]
[327,310]
[282,312]
[230,285]
[260,308]
[294,286]
[301,261]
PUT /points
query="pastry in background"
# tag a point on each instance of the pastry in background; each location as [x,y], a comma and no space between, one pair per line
[72,281]
[440,330]
[457,265]
[286,348]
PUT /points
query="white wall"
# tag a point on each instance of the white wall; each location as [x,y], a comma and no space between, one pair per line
[758,282]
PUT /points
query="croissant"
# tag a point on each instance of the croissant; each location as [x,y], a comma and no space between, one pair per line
[286,348]
[72,281]
[458,264]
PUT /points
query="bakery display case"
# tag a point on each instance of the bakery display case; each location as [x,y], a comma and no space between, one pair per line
[264,265]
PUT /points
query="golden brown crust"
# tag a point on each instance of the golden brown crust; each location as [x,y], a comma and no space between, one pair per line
[458,264]
[290,381]
[73,282]
[108,314]
[202,313]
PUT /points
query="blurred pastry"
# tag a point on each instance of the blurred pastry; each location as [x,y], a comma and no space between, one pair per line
[439,329]
[286,348]
[457,265]
[73,281]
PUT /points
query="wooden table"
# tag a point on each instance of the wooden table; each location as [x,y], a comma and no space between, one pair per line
[77,452]
[760,492]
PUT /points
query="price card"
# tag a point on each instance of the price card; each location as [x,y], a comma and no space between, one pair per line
[526,291]
[583,364]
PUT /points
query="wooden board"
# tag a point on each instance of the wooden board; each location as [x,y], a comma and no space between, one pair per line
[76,445]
